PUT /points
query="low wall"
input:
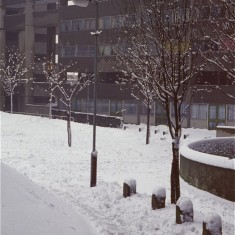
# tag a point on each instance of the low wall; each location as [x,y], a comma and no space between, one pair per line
[34,109]
[101,120]
[211,173]
[224,131]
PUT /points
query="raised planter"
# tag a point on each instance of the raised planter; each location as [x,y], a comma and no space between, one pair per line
[213,171]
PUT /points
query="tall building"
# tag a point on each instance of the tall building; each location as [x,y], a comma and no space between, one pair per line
[61,32]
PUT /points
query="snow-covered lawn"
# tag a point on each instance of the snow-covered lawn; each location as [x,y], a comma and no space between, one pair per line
[37,147]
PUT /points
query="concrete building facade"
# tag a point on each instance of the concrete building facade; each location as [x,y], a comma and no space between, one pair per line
[62,33]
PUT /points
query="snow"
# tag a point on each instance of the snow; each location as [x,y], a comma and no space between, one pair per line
[94,154]
[213,223]
[131,183]
[28,209]
[159,192]
[226,127]
[37,148]
[185,205]
[206,158]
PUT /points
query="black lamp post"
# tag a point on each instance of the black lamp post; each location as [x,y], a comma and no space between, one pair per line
[96,33]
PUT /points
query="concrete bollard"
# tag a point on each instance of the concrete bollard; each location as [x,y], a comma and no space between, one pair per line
[184,210]
[158,198]
[212,225]
[129,187]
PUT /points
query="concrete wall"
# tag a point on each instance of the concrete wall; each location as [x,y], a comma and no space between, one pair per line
[37,109]
[104,121]
[197,123]
[216,180]
[225,131]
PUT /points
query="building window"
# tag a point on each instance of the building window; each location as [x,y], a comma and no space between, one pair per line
[89,24]
[88,106]
[199,111]
[130,107]
[183,111]
[221,112]
[65,26]
[231,112]
[116,107]
[117,21]
[105,50]
[86,50]
[105,22]
[68,52]
[103,106]
[51,6]
[81,24]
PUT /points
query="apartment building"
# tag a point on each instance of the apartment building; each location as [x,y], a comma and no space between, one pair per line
[61,32]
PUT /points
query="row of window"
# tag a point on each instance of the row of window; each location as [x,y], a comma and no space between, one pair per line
[129,107]
[118,21]
[109,50]
[106,22]
[216,112]
[206,12]
[85,51]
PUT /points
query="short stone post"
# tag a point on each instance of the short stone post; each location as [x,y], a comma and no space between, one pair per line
[158,198]
[184,210]
[129,187]
[212,225]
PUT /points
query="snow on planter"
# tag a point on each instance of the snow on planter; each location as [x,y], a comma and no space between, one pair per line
[184,210]
[129,187]
[212,225]
[158,198]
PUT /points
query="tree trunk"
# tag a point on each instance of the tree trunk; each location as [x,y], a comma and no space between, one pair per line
[11,102]
[50,101]
[69,125]
[175,183]
[148,125]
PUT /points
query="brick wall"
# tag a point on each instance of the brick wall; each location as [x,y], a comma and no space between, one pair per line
[216,180]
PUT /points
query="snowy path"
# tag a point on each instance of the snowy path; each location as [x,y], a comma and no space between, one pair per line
[27,209]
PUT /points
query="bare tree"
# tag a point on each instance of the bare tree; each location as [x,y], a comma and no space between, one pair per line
[134,77]
[69,90]
[160,47]
[13,71]
[55,75]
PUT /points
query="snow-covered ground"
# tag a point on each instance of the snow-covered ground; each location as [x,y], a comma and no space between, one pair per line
[28,209]
[37,147]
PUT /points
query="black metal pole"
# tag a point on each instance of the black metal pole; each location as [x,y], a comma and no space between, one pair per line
[94,152]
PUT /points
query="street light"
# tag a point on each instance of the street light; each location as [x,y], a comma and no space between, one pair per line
[96,33]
